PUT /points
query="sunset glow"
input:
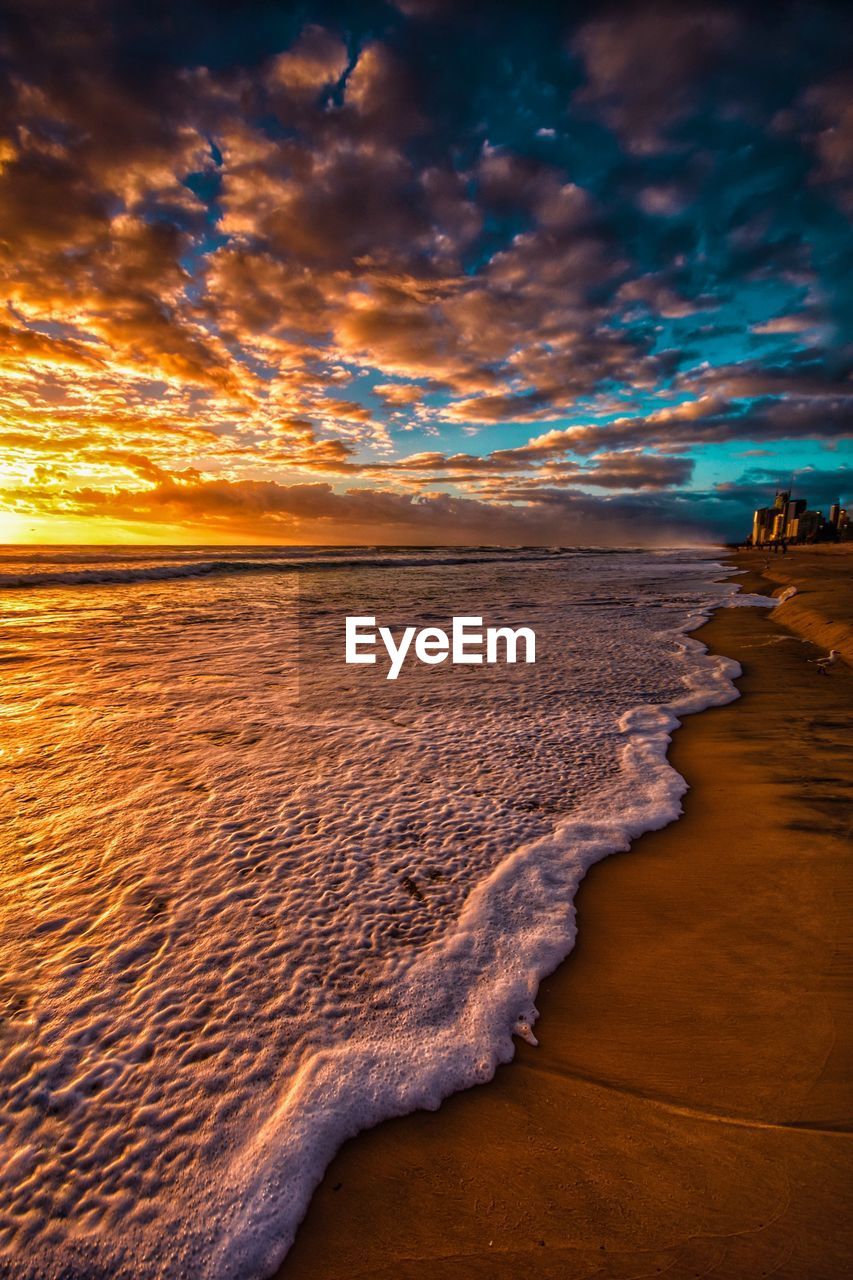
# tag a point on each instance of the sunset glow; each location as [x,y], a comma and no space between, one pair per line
[426,526]
[298,288]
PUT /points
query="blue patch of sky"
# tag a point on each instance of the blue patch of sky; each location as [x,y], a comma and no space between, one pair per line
[784,461]
[724,334]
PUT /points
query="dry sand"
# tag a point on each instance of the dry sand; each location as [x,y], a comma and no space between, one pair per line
[822,609]
[688,1111]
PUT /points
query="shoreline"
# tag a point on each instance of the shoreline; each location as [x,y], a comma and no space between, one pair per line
[580,1156]
[819,612]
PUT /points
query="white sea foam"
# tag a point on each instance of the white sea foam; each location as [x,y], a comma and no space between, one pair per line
[252,911]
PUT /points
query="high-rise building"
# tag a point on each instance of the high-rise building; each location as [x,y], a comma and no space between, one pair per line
[761,522]
[780,524]
[789,518]
[834,514]
[809,524]
[796,507]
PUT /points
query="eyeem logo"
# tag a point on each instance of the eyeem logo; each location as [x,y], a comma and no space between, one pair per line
[465,643]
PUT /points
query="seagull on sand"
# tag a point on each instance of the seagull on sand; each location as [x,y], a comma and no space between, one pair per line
[823,664]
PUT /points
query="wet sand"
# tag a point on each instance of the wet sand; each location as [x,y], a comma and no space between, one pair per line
[688,1110]
[822,609]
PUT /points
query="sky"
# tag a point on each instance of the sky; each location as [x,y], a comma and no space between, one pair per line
[422,272]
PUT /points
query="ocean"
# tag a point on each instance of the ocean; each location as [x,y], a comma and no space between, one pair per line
[256,900]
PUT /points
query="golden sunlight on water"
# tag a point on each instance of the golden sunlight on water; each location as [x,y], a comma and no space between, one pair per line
[248,906]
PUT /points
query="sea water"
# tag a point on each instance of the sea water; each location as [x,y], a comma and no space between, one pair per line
[255,900]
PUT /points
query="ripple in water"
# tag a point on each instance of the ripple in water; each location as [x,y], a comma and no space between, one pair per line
[255,900]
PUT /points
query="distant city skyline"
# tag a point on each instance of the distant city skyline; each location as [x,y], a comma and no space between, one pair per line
[792,520]
[421,272]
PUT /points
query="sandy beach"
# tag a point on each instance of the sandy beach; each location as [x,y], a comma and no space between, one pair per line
[688,1109]
[381,384]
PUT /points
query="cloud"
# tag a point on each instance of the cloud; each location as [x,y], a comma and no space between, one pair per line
[316,61]
[822,117]
[266,509]
[713,420]
[819,486]
[644,66]
[785,324]
[237,254]
[400,394]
